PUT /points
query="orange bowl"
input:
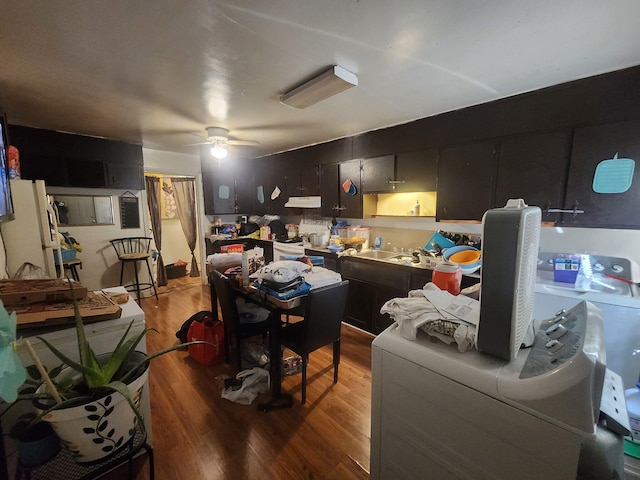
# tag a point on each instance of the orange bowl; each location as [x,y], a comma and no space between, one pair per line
[465,257]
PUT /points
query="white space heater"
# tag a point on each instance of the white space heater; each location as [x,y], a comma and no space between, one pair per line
[510,241]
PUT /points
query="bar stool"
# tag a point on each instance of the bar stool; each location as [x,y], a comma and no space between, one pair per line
[134,250]
[73,265]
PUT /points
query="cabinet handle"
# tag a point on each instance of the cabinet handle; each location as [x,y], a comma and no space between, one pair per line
[393,183]
[574,210]
[336,207]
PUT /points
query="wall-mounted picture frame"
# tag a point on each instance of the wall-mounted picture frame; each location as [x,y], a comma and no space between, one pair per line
[129,211]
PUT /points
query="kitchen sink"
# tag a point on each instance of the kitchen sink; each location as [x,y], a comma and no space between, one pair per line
[376,254]
[403,258]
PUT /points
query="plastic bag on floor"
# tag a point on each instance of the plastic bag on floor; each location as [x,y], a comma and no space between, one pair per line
[254,381]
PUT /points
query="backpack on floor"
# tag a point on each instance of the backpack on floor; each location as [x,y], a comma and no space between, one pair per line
[208,330]
[196,317]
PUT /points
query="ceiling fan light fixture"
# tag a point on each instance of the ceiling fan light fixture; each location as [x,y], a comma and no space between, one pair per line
[330,82]
[219,152]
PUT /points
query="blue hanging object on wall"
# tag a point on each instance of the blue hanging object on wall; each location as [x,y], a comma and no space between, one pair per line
[613,175]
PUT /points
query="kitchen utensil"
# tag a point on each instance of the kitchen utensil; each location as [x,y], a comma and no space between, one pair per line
[448,276]
[465,257]
[319,239]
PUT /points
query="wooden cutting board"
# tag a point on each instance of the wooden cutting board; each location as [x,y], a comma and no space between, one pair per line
[25,292]
[94,307]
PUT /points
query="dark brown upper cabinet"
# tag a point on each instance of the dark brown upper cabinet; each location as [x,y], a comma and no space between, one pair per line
[350,202]
[269,182]
[68,160]
[534,168]
[592,146]
[218,186]
[302,180]
[404,172]
[379,174]
[124,175]
[417,171]
[335,201]
[329,189]
[466,180]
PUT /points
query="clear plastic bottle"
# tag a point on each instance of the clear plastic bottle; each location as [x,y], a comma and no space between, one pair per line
[416,208]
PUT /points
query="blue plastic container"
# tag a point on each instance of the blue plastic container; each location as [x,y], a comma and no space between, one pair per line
[566,268]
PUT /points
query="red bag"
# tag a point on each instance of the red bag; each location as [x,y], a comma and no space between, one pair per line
[209,331]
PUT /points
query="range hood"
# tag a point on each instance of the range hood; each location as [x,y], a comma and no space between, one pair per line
[304,202]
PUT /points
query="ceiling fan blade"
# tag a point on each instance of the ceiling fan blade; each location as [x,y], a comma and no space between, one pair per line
[249,143]
[200,143]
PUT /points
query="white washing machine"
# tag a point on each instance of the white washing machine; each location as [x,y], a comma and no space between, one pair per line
[441,414]
[610,283]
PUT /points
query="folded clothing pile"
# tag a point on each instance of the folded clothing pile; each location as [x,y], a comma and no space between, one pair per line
[418,312]
[286,279]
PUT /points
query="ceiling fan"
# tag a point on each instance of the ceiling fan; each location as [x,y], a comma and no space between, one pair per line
[219,140]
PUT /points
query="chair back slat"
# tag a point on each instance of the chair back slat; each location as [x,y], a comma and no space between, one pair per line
[323,315]
[227,299]
[131,245]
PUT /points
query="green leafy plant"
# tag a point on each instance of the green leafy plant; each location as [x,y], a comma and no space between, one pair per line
[97,378]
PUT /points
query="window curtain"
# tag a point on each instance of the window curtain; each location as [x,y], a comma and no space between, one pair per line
[184,192]
[153,186]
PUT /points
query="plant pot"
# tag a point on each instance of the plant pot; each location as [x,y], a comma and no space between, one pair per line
[95,430]
[38,446]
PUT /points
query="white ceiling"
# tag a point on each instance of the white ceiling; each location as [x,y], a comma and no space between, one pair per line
[160,71]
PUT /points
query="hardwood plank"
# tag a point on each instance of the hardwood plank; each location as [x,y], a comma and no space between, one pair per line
[197,434]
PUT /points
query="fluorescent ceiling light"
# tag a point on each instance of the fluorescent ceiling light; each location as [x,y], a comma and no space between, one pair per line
[332,81]
[218,152]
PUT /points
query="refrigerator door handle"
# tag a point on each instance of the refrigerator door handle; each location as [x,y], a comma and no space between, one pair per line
[54,243]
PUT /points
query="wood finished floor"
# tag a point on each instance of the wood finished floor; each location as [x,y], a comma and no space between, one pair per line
[198,435]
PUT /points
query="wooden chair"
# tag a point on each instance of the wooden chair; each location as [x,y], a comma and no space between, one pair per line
[134,250]
[321,326]
[234,324]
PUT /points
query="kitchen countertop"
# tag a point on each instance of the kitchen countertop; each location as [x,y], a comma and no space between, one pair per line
[387,261]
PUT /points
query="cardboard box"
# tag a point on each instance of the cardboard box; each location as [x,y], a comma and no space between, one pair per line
[49,290]
[94,307]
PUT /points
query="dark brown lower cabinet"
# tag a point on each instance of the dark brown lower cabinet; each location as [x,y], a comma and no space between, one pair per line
[371,284]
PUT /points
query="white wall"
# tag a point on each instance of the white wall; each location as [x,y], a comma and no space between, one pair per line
[100,265]
[174,244]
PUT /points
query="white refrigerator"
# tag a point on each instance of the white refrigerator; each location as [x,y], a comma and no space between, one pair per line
[33,235]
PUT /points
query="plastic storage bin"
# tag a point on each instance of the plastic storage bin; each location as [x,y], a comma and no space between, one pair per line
[68,254]
[175,271]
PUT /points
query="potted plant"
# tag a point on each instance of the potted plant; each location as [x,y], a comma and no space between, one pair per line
[92,404]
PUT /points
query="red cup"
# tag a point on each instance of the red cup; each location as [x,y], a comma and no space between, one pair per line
[448,276]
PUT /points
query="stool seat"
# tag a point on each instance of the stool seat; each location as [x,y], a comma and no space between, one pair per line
[133,256]
[73,266]
[133,250]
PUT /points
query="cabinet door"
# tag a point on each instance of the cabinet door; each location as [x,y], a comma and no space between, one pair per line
[218,185]
[591,146]
[359,302]
[534,168]
[86,173]
[417,171]
[122,175]
[350,205]
[245,188]
[266,179]
[329,188]
[380,297]
[309,180]
[378,174]
[51,169]
[466,176]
